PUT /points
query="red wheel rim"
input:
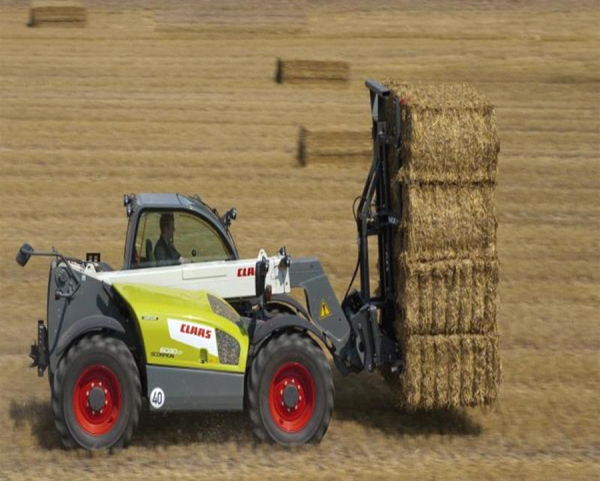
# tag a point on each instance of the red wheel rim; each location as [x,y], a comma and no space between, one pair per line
[100,421]
[292,418]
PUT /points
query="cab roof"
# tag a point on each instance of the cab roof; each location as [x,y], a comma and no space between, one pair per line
[172,201]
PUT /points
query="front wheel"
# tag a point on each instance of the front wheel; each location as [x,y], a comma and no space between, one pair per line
[290,391]
[96,397]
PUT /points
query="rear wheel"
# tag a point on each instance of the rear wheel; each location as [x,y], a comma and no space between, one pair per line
[290,391]
[96,398]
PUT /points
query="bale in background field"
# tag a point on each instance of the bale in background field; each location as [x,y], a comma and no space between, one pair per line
[57,13]
[445,246]
[312,71]
[331,145]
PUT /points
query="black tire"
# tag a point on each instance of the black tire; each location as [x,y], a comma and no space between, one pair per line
[50,379]
[290,359]
[98,372]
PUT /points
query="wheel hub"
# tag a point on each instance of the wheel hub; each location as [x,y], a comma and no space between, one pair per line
[290,396]
[96,398]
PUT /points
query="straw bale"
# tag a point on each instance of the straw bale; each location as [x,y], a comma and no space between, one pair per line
[333,145]
[447,297]
[57,13]
[311,71]
[445,259]
[448,133]
[448,371]
[441,221]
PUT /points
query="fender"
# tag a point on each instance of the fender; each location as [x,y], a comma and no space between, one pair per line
[286,321]
[288,301]
[85,325]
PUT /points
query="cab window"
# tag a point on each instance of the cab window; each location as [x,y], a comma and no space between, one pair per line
[166,238]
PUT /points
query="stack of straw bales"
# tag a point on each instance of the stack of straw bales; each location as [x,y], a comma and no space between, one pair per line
[445,247]
[331,145]
[57,13]
[312,71]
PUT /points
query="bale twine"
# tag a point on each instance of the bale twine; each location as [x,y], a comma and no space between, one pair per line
[311,71]
[333,145]
[446,263]
[57,13]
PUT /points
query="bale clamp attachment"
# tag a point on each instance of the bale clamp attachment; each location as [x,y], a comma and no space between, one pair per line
[372,317]
[375,215]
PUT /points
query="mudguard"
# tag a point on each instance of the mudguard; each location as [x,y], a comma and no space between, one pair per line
[283,322]
[287,302]
[88,324]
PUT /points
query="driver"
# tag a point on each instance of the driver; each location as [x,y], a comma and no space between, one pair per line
[165,252]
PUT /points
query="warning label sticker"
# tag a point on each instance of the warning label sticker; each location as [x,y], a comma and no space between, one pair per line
[325,311]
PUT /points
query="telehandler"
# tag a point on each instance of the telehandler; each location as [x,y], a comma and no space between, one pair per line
[215,332]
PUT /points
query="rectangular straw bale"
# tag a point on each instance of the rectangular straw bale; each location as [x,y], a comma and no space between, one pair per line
[333,145]
[447,297]
[449,371]
[64,13]
[448,133]
[311,71]
[441,221]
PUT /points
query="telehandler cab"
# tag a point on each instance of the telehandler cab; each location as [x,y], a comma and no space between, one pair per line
[215,332]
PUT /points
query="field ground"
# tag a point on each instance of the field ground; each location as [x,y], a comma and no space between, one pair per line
[171,96]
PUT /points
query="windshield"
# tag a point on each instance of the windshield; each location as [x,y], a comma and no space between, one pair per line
[166,238]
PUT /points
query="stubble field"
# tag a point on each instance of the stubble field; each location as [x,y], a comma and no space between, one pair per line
[179,96]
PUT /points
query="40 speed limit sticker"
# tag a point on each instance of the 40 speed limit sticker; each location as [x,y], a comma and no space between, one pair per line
[157,398]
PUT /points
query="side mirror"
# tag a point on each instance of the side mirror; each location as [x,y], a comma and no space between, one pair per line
[230,215]
[24,254]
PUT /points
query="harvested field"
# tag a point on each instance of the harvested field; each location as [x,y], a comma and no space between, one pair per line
[88,114]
